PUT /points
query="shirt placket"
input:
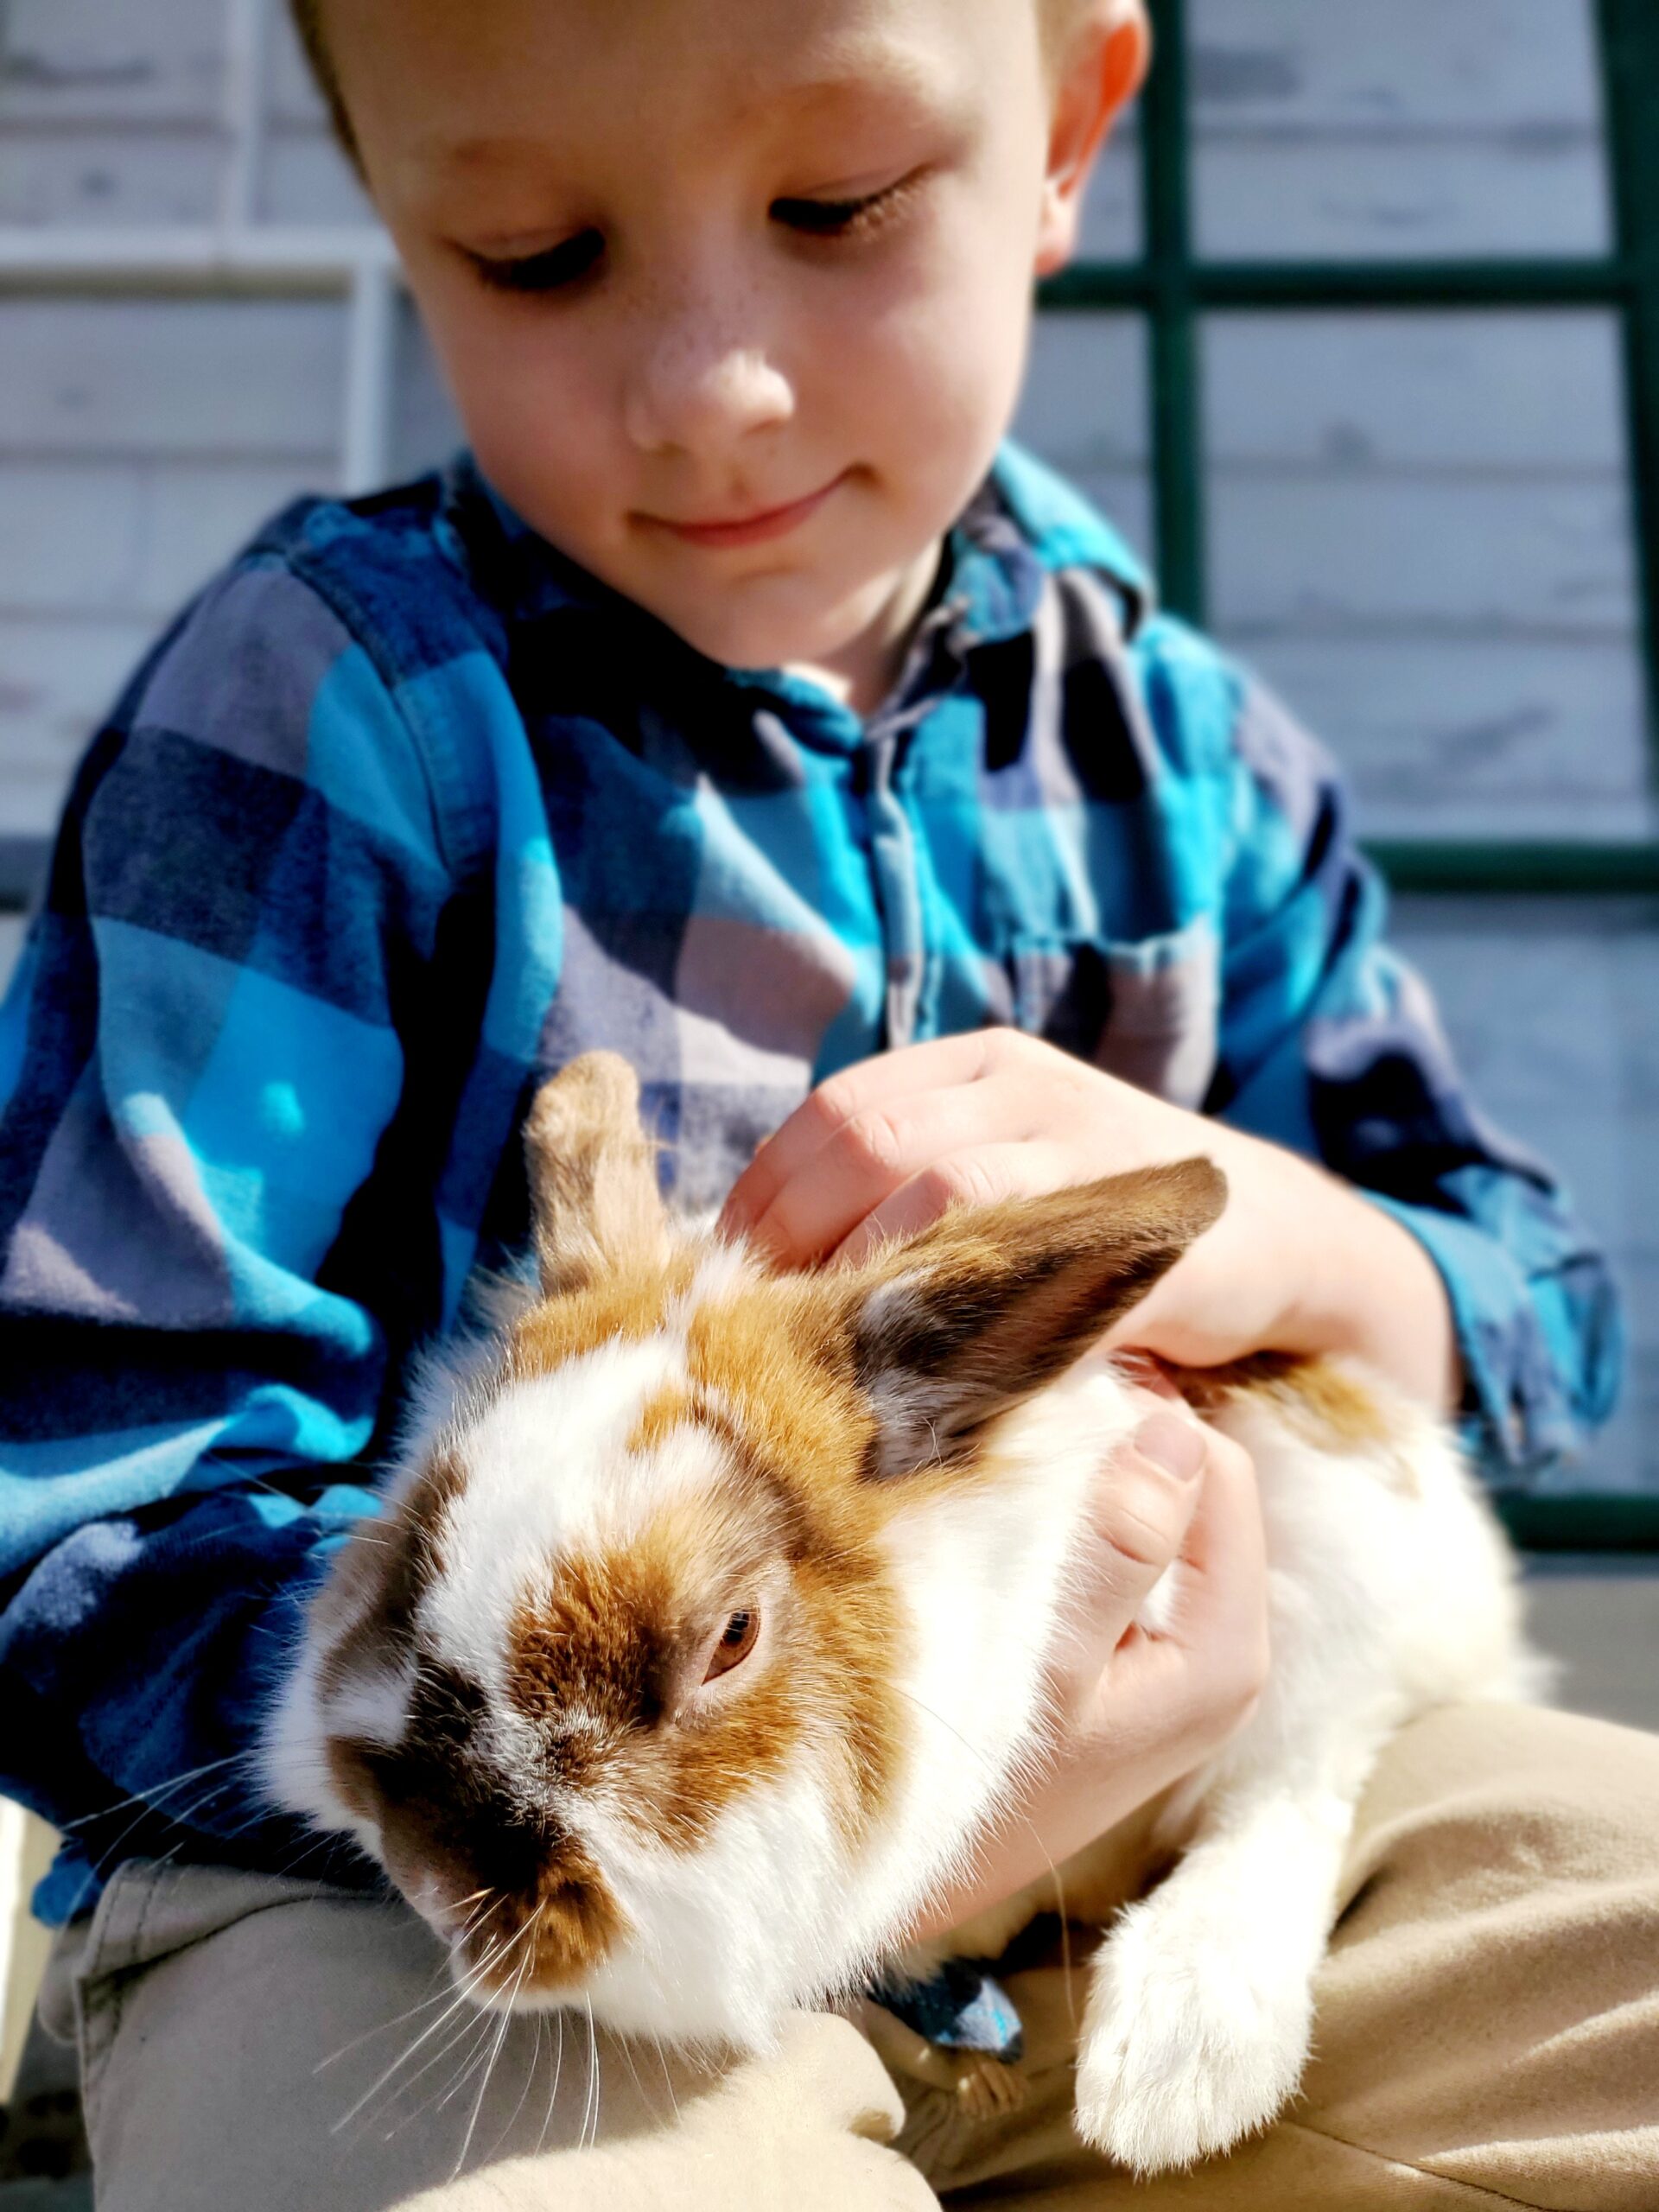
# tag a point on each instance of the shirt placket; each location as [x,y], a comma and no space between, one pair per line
[933,666]
[892,853]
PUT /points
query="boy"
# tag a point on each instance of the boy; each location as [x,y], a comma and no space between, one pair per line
[731,708]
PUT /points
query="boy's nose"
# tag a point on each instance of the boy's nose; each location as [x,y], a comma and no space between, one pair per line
[695,388]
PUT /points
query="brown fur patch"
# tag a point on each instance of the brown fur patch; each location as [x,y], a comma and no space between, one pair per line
[765,1358]
[594,1200]
[616,1644]
[630,1304]
[772,1356]
[576,1920]
[1324,1405]
[371,1597]
[659,1417]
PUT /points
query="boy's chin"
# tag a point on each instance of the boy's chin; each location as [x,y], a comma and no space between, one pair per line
[791,629]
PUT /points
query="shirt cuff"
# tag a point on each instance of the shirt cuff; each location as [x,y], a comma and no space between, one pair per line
[1516,1417]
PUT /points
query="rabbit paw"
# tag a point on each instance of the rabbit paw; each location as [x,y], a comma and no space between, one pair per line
[1187,2046]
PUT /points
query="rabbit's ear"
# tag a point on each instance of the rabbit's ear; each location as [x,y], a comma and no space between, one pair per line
[594,1203]
[980,1311]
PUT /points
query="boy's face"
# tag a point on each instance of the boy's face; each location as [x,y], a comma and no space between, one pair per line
[733,295]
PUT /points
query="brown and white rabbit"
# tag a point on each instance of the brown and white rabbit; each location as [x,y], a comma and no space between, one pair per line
[707,1625]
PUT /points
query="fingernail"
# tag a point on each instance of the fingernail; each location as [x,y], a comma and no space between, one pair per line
[1171,1443]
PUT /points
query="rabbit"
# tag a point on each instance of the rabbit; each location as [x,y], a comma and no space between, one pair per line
[707,1622]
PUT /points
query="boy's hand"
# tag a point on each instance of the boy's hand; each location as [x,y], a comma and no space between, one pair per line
[1298,1262]
[1137,1708]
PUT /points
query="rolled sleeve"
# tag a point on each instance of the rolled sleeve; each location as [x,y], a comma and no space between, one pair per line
[1330,1043]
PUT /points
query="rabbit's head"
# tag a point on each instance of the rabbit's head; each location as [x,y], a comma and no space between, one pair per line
[620,1690]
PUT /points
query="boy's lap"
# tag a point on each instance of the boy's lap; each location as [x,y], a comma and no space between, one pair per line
[1488,2030]
[278,2047]
[1487,2016]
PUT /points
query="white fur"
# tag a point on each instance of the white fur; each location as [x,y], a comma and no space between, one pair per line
[1385,1599]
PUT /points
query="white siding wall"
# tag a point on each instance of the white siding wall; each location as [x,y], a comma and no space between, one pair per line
[140,440]
[1085,410]
[1420,528]
[1552,1005]
[114,112]
[1360,128]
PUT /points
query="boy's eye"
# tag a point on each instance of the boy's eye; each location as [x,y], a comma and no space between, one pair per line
[834,218]
[546,272]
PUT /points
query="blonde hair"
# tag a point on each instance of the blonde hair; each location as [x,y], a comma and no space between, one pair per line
[1056,19]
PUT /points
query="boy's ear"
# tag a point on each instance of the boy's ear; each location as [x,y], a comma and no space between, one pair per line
[980,1311]
[1100,70]
[593,1199]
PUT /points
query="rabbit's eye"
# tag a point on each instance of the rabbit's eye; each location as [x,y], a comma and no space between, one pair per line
[735,1645]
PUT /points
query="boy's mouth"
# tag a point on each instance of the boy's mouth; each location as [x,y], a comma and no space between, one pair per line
[748,529]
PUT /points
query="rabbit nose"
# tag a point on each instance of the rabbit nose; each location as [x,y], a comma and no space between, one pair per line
[440,1903]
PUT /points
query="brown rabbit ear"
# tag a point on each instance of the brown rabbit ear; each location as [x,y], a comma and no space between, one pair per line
[984,1308]
[594,1203]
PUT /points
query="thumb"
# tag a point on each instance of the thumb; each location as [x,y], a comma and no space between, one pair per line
[1140,1511]
[821,2068]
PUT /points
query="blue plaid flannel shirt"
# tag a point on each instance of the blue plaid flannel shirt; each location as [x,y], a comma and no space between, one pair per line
[405,811]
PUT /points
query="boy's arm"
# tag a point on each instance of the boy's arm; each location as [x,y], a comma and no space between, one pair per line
[228,1075]
[1330,1045]
[1371,1210]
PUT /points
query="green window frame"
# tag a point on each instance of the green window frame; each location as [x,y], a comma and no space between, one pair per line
[1173,289]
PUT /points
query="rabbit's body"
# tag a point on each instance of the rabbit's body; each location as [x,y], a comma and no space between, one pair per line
[712,1619]
[1391,1591]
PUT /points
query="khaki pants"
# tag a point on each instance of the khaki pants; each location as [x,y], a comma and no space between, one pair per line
[1488,2034]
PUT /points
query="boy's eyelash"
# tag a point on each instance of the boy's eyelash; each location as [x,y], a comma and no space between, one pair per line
[547,271]
[558,266]
[841,219]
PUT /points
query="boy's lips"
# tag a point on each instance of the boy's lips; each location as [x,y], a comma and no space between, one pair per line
[749,529]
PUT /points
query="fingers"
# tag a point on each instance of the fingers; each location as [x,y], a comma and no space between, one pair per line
[978,1177]
[890,1163]
[870,1116]
[1220,1594]
[824,2066]
[1140,1516]
[1202,1654]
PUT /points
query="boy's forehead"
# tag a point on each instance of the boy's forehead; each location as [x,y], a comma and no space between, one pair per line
[467,86]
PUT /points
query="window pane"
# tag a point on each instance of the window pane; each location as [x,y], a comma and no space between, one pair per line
[110,114]
[143,441]
[1111,212]
[1415,128]
[1084,411]
[1553,1008]
[1421,530]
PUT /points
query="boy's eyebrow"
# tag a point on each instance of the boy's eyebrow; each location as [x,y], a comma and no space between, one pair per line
[898,81]
[919,81]
[898,77]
